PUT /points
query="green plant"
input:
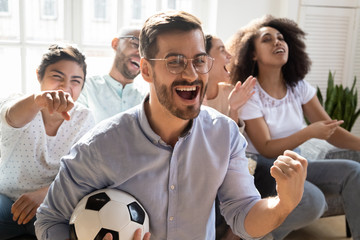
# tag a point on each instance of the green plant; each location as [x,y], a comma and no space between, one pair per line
[340,102]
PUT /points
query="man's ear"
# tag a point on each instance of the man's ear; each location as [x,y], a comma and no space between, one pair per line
[38,76]
[146,70]
[115,43]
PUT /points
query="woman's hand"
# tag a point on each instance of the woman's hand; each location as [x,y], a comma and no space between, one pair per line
[324,129]
[24,208]
[241,93]
[239,96]
[55,101]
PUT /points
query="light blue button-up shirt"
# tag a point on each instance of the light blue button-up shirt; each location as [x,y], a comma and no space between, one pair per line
[176,186]
[106,97]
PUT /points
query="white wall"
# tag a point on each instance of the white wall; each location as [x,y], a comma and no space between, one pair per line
[230,15]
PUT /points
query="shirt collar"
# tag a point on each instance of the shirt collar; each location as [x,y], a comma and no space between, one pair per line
[153,137]
[114,83]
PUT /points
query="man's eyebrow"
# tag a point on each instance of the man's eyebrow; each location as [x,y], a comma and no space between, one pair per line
[173,54]
[179,54]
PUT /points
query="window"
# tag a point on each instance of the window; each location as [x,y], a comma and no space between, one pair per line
[172,4]
[4,8]
[89,24]
[136,10]
[48,9]
[100,11]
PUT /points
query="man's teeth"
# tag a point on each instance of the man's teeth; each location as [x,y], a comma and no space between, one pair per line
[135,63]
[186,89]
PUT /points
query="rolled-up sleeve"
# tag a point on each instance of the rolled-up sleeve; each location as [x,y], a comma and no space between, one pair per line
[238,193]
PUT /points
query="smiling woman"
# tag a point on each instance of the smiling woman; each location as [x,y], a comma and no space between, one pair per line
[36,130]
[273,49]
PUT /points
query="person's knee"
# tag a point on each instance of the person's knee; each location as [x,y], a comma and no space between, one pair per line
[5,206]
[313,202]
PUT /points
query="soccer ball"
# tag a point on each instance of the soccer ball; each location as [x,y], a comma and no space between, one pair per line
[108,210]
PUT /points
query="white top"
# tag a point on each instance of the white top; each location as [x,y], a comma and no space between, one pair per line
[283,116]
[30,159]
[106,97]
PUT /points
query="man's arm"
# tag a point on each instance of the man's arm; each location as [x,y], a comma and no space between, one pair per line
[289,172]
[76,178]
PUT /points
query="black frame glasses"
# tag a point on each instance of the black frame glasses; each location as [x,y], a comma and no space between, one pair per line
[134,41]
[176,64]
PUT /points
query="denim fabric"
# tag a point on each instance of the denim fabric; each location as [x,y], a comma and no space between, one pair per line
[333,176]
[8,227]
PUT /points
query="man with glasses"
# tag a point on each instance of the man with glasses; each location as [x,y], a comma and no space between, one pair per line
[109,94]
[170,153]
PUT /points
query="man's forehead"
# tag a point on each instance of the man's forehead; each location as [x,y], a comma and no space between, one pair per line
[180,41]
[134,32]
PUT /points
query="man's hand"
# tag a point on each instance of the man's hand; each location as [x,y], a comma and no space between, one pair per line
[24,208]
[55,101]
[289,171]
[137,235]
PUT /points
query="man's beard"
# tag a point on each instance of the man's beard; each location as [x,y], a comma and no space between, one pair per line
[121,65]
[165,96]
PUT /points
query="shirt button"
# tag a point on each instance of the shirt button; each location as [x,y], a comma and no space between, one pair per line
[171,218]
[172,187]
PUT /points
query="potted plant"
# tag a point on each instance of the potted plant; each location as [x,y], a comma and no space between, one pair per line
[340,103]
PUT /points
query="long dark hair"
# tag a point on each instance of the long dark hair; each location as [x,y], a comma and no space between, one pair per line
[242,47]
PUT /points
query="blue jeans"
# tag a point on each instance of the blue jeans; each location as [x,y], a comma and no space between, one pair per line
[8,227]
[333,176]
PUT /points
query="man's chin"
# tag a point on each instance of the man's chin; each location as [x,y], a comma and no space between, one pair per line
[189,113]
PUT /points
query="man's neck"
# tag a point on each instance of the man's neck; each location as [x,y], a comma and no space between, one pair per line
[163,123]
[119,77]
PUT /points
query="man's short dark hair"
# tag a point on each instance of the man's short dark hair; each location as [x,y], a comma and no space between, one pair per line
[164,22]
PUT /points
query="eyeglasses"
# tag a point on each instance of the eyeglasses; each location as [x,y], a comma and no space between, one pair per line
[176,64]
[134,41]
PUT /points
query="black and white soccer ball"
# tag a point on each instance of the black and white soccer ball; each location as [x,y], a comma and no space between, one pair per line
[108,210]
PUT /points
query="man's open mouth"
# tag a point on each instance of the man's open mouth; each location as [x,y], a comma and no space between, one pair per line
[188,93]
[136,64]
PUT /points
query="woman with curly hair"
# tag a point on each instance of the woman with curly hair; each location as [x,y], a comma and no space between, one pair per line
[273,50]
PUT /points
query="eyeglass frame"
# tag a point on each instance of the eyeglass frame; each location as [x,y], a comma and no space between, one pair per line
[132,39]
[185,62]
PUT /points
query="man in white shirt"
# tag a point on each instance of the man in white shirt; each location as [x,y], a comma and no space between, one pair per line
[109,94]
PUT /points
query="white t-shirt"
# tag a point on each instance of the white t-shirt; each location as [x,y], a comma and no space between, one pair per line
[283,116]
[30,159]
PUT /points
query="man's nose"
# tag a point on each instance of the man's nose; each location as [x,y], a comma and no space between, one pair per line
[190,72]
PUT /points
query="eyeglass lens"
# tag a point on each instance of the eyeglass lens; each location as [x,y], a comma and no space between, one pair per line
[133,41]
[177,64]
